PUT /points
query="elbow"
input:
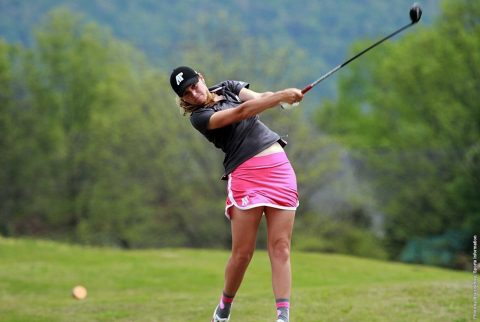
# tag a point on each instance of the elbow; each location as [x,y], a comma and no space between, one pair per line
[245,111]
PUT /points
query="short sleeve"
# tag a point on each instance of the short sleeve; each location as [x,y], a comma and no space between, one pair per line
[235,86]
[200,119]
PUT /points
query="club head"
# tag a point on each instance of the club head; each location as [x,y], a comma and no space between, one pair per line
[415,13]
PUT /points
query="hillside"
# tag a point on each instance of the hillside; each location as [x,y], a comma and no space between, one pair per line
[36,278]
[322,31]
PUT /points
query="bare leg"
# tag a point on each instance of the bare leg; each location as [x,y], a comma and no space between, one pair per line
[244,224]
[279,228]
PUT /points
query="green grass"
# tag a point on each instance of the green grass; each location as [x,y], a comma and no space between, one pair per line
[36,278]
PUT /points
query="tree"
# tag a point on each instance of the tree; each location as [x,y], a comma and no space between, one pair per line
[102,156]
[7,137]
[410,113]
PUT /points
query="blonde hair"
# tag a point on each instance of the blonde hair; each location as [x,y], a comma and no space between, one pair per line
[187,108]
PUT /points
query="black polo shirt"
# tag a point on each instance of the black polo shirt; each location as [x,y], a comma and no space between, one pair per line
[239,141]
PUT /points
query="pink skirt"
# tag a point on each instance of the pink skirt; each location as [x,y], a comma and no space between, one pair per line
[264,181]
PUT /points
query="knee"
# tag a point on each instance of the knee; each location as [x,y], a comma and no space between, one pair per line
[242,257]
[280,250]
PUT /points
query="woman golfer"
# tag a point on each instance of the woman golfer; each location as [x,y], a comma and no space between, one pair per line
[260,177]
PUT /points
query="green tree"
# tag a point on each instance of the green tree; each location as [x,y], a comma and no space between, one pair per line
[78,87]
[7,136]
[316,157]
[99,154]
[410,113]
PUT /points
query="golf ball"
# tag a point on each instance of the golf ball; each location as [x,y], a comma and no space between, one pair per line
[79,292]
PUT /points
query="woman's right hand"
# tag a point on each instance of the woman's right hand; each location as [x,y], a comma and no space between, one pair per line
[291,95]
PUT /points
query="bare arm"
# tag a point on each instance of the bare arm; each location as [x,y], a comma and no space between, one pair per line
[247,94]
[254,103]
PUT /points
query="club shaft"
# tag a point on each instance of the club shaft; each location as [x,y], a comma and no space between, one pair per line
[310,86]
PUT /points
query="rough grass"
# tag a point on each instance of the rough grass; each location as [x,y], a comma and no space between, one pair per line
[36,278]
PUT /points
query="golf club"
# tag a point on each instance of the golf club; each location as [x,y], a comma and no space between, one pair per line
[415,15]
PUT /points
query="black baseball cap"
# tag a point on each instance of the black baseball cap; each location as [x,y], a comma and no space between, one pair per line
[181,78]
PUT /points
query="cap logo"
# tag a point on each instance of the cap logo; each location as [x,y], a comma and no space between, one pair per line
[179,78]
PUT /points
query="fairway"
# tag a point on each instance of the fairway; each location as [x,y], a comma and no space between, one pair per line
[36,279]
